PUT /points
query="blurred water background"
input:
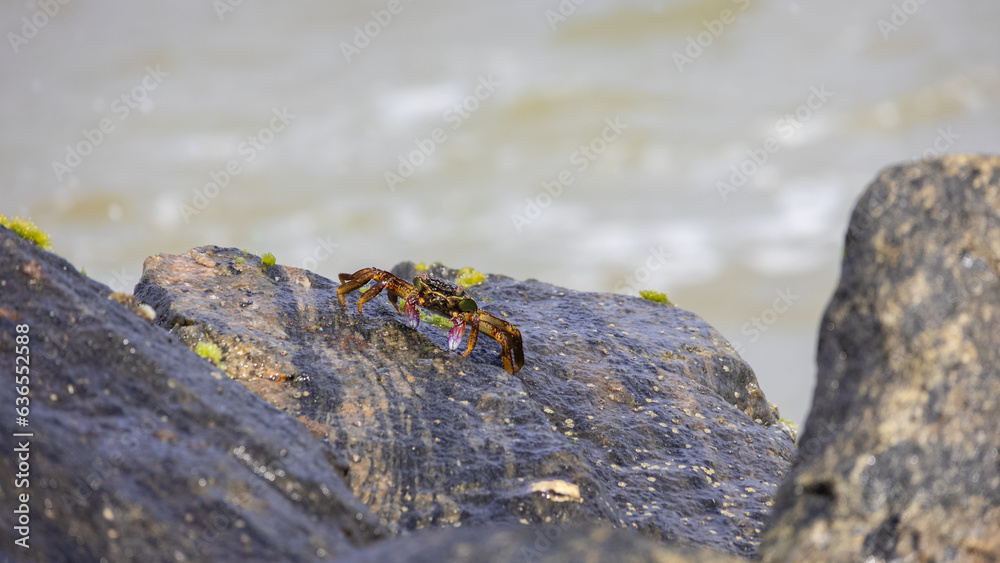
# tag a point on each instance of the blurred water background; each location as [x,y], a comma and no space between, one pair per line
[709,149]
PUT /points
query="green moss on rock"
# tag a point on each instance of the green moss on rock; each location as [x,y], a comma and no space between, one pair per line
[210,351]
[468,277]
[28,231]
[656,296]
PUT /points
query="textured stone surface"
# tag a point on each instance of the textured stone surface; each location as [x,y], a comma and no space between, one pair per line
[532,544]
[143,452]
[899,457]
[627,412]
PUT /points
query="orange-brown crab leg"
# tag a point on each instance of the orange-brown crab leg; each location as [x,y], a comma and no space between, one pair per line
[395,288]
[505,333]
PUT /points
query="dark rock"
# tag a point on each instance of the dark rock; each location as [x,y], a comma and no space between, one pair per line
[539,544]
[140,450]
[899,457]
[627,412]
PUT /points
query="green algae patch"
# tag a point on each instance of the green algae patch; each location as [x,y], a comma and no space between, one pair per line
[28,231]
[210,351]
[656,296]
[267,260]
[436,320]
[469,277]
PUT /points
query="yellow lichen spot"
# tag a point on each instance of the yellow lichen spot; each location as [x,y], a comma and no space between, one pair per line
[421,267]
[468,277]
[28,231]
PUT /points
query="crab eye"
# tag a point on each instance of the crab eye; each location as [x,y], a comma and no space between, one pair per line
[468,305]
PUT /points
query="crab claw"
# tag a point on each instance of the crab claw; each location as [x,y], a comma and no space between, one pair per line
[410,311]
[456,332]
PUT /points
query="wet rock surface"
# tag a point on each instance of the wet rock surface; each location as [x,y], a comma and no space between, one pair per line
[633,426]
[542,544]
[899,457]
[140,450]
[627,412]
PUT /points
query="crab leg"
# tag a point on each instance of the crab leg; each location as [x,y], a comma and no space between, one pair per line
[350,282]
[370,294]
[395,288]
[500,330]
[507,335]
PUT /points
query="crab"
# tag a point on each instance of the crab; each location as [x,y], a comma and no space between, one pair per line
[441,297]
